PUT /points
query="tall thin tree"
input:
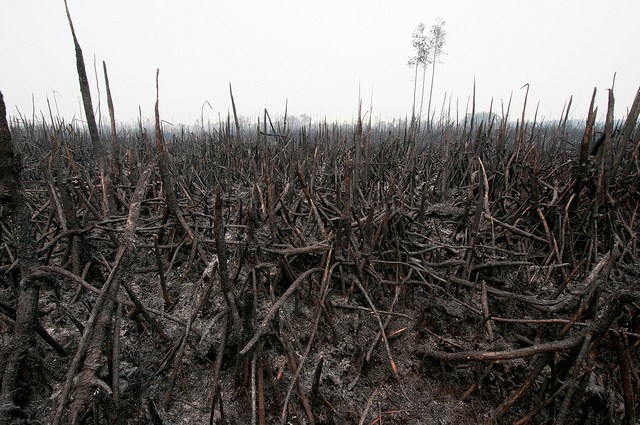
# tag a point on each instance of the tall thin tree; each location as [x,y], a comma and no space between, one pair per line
[436,42]
[419,59]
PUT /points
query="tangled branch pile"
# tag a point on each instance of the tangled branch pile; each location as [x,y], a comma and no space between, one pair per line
[323,274]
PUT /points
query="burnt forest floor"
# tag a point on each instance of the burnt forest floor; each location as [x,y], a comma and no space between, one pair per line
[308,279]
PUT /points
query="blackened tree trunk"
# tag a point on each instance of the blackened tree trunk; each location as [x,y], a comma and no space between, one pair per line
[108,197]
[14,357]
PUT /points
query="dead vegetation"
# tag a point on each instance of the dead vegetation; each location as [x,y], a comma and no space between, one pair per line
[323,273]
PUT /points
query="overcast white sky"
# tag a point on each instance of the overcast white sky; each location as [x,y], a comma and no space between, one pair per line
[316,54]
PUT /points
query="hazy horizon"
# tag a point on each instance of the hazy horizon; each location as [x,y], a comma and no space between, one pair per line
[317,56]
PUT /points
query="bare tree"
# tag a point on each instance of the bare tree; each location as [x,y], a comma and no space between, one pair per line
[420,58]
[435,49]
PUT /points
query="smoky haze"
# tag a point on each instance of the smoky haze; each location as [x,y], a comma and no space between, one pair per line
[317,56]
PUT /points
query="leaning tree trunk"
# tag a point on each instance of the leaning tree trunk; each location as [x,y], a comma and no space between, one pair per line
[168,182]
[14,357]
[89,353]
[108,198]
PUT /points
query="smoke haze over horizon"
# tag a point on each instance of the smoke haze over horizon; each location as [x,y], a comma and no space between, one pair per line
[317,57]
